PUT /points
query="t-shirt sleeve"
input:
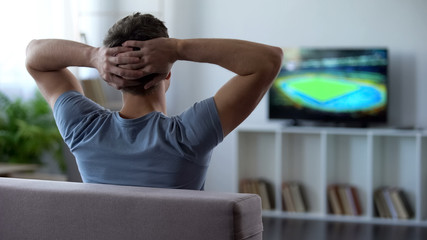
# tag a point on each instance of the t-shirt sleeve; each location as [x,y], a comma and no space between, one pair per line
[203,129]
[69,110]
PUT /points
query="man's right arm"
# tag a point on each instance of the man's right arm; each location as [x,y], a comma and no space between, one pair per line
[256,66]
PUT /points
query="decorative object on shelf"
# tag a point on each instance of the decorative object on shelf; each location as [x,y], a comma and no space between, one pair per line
[344,199]
[27,131]
[293,198]
[261,187]
[391,202]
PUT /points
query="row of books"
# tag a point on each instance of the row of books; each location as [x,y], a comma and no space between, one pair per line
[344,200]
[293,197]
[261,187]
[391,202]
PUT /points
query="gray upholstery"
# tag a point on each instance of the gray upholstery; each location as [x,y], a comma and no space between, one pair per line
[35,209]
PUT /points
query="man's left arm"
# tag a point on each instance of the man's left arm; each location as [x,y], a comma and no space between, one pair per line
[47,62]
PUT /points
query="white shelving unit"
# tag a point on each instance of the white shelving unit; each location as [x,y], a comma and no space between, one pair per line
[316,157]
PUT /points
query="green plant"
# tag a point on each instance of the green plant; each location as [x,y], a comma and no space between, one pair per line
[27,130]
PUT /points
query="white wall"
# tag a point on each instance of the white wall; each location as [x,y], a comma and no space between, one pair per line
[396,24]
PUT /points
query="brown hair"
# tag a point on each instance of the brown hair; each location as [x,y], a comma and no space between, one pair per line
[136,27]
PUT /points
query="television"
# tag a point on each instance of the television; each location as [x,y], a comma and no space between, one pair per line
[336,85]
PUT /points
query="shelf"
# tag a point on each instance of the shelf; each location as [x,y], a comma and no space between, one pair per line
[257,152]
[347,163]
[315,157]
[301,161]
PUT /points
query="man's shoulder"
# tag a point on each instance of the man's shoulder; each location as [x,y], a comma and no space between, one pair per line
[73,99]
[72,108]
[201,121]
[206,106]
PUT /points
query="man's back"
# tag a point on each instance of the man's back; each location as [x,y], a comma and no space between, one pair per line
[137,58]
[153,151]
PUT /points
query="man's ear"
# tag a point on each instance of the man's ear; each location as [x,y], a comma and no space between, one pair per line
[168,77]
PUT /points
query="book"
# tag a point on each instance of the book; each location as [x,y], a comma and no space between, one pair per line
[351,200]
[287,198]
[265,197]
[297,198]
[270,193]
[254,186]
[249,186]
[357,203]
[244,186]
[344,200]
[401,210]
[261,188]
[380,204]
[389,203]
[406,203]
[334,201]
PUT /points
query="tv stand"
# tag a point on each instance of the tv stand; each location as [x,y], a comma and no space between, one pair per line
[294,123]
[302,123]
[352,125]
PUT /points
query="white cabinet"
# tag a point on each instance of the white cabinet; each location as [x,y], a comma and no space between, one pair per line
[317,157]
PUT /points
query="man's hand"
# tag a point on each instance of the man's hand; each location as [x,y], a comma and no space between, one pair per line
[48,59]
[107,61]
[155,56]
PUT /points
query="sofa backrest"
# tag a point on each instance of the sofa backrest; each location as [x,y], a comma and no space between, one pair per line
[36,209]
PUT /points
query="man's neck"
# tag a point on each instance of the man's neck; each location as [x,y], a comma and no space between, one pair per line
[135,106]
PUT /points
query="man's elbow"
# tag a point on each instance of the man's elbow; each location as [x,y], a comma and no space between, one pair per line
[31,59]
[273,65]
[277,59]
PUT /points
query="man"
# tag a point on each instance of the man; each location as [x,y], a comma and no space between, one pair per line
[140,145]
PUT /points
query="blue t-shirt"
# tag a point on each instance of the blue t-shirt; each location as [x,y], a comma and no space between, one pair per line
[152,151]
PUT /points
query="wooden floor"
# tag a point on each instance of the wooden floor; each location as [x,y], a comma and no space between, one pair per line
[296,229]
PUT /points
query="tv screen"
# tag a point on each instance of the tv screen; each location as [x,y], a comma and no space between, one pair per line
[334,85]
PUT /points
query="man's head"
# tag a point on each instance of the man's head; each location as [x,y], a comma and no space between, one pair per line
[140,27]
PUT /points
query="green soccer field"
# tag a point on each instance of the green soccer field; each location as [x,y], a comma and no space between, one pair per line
[323,89]
[331,92]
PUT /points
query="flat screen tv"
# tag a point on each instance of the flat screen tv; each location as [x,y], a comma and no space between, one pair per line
[331,84]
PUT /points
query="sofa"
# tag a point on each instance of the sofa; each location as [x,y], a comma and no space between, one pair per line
[39,209]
